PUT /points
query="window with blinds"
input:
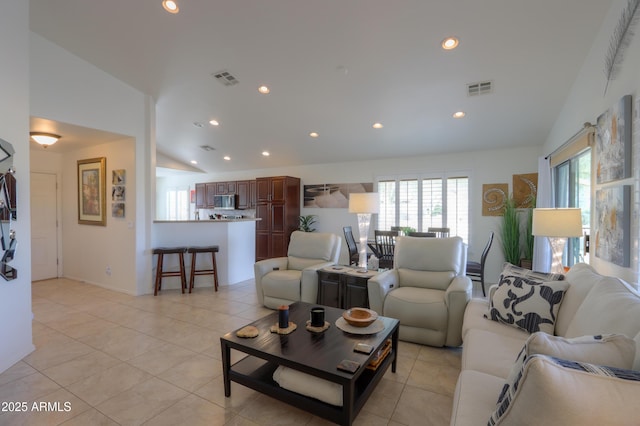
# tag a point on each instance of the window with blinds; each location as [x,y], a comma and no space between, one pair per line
[421,202]
[177,203]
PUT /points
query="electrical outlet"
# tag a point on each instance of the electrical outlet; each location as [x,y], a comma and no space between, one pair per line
[108,270]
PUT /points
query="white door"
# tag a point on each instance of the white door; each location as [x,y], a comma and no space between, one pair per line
[44,232]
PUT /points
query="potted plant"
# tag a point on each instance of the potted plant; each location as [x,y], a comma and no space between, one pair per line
[527,252]
[407,229]
[510,232]
[306,222]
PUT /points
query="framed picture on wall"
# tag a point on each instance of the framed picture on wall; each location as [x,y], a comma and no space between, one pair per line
[613,142]
[613,225]
[92,191]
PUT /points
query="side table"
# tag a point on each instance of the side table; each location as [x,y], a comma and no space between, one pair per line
[343,287]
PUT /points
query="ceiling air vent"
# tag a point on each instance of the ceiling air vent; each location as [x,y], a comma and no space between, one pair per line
[480,88]
[207,148]
[225,78]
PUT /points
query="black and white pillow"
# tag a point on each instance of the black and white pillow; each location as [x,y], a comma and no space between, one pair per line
[509,269]
[613,350]
[527,304]
[511,391]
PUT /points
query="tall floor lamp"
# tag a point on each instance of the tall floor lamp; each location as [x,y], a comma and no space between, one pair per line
[364,205]
[557,225]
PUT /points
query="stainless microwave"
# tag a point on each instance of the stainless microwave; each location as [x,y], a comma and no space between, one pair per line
[224,202]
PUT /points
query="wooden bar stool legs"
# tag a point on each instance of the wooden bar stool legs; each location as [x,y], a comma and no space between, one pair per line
[212,271]
[161,273]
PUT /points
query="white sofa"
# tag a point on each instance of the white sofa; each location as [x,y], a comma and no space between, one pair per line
[285,280]
[547,392]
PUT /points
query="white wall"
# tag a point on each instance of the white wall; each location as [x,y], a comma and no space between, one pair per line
[87,249]
[587,101]
[495,166]
[15,295]
[68,89]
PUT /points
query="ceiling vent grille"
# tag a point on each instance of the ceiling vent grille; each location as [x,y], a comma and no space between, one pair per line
[207,148]
[480,88]
[225,78]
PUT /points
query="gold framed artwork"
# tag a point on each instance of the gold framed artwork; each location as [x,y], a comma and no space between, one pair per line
[525,190]
[494,196]
[92,191]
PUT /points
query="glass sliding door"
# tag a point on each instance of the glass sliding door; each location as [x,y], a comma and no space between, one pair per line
[572,183]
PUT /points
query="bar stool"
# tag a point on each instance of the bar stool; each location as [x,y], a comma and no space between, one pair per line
[214,269]
[161,273]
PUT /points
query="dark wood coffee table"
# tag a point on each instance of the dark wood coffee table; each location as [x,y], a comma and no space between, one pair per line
[314,354]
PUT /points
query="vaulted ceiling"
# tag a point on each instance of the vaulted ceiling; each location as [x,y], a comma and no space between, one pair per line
[334,67]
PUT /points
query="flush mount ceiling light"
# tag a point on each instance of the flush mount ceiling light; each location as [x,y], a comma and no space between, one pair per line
[214,122]
[265,153]
[377,126]
[170,6]
[450,43]
[314,134]
[44,139]
[459,114]
[264,90]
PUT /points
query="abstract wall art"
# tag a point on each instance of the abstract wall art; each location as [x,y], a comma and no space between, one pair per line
[613,222]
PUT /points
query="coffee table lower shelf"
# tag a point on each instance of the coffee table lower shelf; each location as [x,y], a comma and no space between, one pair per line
[257,374]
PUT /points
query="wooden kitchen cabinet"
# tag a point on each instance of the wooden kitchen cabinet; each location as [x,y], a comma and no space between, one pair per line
[210,190]
[242,190]
[278,207]
[252,194]
[201,196]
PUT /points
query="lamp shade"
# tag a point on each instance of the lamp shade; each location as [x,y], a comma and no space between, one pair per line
[557,222]
[364,202]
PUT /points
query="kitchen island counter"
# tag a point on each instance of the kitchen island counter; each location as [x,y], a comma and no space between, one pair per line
[235,237]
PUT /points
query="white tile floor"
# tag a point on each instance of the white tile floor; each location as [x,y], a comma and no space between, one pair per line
[119,359]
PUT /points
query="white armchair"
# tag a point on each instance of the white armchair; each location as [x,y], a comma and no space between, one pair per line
[427,290]
[284,280]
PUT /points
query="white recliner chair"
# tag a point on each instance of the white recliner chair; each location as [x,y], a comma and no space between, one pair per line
[285,280]
[427,290]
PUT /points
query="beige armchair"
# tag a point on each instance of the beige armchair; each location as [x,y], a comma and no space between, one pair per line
[284,280]
[427,290]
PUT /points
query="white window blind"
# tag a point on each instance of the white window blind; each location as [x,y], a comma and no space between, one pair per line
[421,202]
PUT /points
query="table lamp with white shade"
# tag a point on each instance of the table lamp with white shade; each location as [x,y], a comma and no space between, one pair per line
[557,225]
[364,205]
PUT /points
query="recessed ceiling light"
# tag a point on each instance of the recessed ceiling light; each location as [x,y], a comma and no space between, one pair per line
[450,43]
[194,162]
[314,134]
[459,114]
[377,125]
[214,122]
[170,6]
[226,158]
[265,153]
[264,90]
[198,124]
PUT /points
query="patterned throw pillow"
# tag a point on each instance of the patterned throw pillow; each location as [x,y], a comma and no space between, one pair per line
[527,304]
[564,374]
[509,269]
[613,350]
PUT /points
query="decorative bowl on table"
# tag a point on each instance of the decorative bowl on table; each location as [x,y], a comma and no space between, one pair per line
[360,317]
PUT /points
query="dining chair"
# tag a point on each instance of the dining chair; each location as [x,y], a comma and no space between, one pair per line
[422,234]
[385,246]
[440,232]
[475,270]
[351,245]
